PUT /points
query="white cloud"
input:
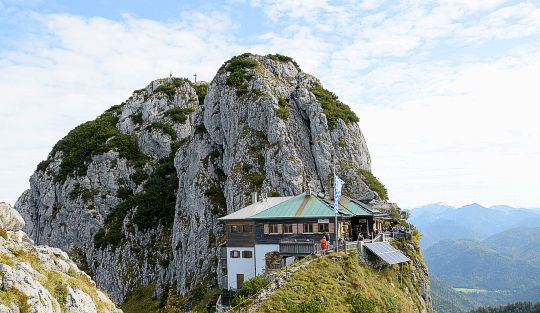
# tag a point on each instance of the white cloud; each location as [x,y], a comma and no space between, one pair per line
[449,114]
[476,142]
[85,65]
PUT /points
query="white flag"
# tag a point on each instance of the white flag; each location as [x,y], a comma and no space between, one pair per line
[337,193]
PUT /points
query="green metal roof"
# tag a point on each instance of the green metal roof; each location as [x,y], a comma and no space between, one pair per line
[354,207]
[303,205]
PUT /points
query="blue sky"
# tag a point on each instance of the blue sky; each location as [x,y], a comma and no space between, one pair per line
[446,91]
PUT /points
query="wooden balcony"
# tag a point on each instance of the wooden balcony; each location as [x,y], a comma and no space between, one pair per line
[298,247]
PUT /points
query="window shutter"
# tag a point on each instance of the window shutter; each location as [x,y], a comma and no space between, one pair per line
[280,228]
[266,229]
[315,227]
[331,228]
[300,228]
[294,228]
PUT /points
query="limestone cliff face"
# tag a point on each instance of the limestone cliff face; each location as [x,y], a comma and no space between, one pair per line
[39,278]
[134,196]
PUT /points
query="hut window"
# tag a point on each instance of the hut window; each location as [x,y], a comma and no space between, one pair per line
[273,229]
[323,228]
[308,228]
[247,254]
[235,254]
[287,229]
[241,228]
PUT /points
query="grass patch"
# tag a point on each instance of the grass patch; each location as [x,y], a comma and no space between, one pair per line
[12,296]
[336,282]
[249,289]
[55,282]
[374,184]
[141,300]
[333,108]
[3,233]
[282,113]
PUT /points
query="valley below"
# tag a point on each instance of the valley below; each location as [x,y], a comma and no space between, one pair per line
[480,256]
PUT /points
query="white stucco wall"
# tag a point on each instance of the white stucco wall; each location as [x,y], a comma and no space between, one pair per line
[260,251]
[239,266]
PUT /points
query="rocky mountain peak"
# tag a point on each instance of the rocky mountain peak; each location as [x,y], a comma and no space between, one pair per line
[134,195]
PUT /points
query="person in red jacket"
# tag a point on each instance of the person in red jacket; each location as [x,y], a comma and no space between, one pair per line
[324,245]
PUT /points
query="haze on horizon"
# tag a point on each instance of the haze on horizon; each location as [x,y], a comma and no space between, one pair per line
[446,93]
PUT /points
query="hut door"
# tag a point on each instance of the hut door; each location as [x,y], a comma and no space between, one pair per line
[239,280]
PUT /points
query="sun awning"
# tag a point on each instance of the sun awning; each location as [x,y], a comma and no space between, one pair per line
[387,253]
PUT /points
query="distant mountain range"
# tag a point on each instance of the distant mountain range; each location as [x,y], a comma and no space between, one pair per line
[494,250]
[442,222]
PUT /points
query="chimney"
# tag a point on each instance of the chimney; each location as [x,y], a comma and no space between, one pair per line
[254,197]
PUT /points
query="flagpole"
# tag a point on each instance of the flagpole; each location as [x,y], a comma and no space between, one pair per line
[335,208]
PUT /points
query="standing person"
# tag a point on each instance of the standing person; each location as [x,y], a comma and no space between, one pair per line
[324,245]
[327,236]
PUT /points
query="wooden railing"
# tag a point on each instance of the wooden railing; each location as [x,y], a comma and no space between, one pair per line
[288,247]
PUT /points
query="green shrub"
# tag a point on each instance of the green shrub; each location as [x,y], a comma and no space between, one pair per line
[124,193]
[42,166]
[175,145]
[249,289]
[201,89]
[282,58]
[282,102]
[75,192]
[154,206]
[137,118]
[218,200]
[178,114]
[374,184]
[237,67]
[138,176]
[168,89]
[179,82]
[200,129]
[93,138]
[164,127]
[282,113]
[255,179]
[333,108]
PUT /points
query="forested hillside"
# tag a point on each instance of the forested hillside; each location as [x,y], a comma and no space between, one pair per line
[446,299]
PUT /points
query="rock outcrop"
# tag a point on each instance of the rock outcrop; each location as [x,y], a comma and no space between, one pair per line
[39,278]
[134,196]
